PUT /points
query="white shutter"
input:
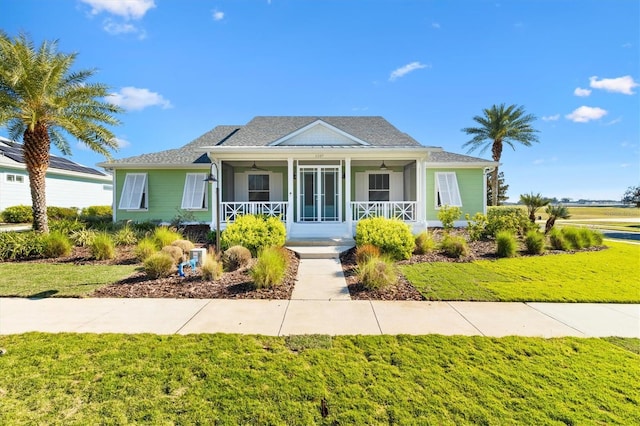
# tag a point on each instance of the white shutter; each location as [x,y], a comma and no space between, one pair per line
[275,186]
[132,191]
[362,187]
[241,190]
[395,186]
[447,187]
[193,195]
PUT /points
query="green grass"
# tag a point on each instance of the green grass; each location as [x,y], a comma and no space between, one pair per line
[612,225]
[84,379]
[57,279]
[604,276]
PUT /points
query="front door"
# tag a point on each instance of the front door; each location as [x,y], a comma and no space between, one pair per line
[319,194]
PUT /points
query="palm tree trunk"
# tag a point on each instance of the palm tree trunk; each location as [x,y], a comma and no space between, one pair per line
[36,157]
[496,153]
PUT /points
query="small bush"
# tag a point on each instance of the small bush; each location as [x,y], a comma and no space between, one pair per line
[392,236]
[454,246]
[557,240]
[175,252]
[512,219]
[159,265]
[102,247]
[144,228]
[534,242]
[506,244]
[211,268]
[56,244]
[185,245]
[448,215]
[586,237]
[424,243]
[254,232]
[597,237]
[66,226]
[236,257]
[270,268]
[477,226]
[17,214]
[377,273]
[21,245]
[62,213]
[366,252]
[145,248]
[125,236]
[164,236]
[572,237]
[96,214]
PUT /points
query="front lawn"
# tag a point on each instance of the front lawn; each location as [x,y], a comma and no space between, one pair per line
[231,379]
[609,275]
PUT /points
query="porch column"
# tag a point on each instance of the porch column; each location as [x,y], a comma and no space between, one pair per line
[421,185]
[347,195]
[289,215]
[219,189]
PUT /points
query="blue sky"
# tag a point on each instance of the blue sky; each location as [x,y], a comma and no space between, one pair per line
[180,68]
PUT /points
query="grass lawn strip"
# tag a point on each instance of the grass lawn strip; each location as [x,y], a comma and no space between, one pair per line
[231,379]
[604,276]
[58,279]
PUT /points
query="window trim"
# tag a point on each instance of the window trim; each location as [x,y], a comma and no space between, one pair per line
[129,186]
[388,190]
[267,191]
[452,190]
[14,178]
[190,189]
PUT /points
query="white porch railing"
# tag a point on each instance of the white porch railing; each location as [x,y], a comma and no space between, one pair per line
[403,210]
[229,211]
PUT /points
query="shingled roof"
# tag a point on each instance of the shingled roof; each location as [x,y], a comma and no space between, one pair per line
[15,152]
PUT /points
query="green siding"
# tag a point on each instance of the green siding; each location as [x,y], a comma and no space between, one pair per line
[165,189]
[470,184]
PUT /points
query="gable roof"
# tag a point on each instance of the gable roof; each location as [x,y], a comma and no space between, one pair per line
[15,151]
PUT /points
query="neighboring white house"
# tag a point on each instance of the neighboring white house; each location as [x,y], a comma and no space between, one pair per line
[68,184]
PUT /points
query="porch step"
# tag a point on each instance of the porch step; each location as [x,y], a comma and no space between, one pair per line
[314,249]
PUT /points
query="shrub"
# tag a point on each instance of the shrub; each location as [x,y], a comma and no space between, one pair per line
[377,273]
[145,248]
[144,228]
[392,236]
[66,226]
[424,243]
[21,245]
[185,245]
[211,268]
[164,236]
[102,246]
[572,237]
[512,219]
[506,245]
[97,214]
[254,232]
[175,252]
[56,244]
[534,242]
[477,226]
[270,268]
[366,252]
[586,237]
[557,240]
[159,265]
[454,246]
[17,214]
[448,215]
[236,257]
[125,236]
[597,237]
[62,213]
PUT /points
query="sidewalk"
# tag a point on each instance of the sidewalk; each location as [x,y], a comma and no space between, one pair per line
[335,317]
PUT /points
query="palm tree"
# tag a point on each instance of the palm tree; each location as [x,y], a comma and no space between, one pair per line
[501,125]
[533,202]
[41,101]
[557,211]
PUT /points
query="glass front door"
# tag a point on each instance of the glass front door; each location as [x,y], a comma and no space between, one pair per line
[319,194]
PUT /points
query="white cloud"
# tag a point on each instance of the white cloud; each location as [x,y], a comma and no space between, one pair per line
[122,143]
[435,25]
[627,45]
[128,9]
[623,84]
[133,99]
[582,92]
[614,121]
[217,15]
[624,165]
[538,161]
[402,71]
[585,114]
[115,28]
[555,117]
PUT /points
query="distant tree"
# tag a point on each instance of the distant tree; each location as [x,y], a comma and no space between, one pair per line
[565,200]
[502,190]
[533,202]
[555,212]
[498,126]
[41,100]
[632,196]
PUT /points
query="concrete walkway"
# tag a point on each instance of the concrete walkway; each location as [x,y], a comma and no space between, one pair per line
[334,317]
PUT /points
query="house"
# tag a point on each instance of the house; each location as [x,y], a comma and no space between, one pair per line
[319,174]
[68,184]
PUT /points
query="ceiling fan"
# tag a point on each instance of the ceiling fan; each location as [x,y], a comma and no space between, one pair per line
[256,168]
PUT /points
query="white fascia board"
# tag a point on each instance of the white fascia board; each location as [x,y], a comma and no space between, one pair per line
[150,166]
[461,165]
[318,123]
[58,172]
[313,152]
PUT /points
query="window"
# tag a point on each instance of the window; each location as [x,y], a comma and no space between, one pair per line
[447,192]
[15,178]
[134,192]
[258,187]
[194,196]
[379,187]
